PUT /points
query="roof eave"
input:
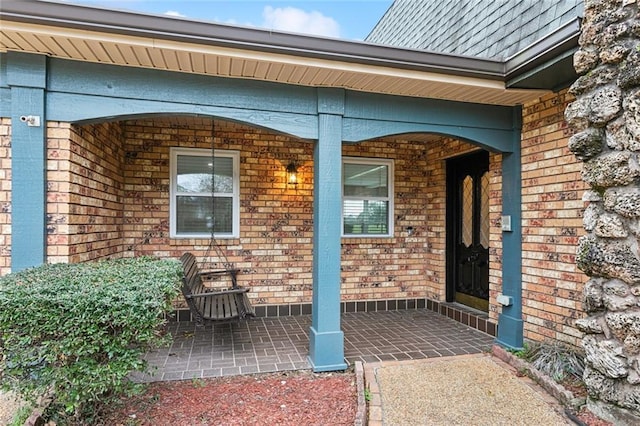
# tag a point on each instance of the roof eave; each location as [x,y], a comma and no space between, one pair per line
[543,54]
[208,33]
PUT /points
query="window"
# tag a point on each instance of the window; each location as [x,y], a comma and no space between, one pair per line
[200,203]
[367,197]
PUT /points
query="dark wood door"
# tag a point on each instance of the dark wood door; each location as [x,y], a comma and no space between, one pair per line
[468,230]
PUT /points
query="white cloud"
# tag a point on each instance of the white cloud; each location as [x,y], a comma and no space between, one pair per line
[295,20]
[174,13]
[235,22]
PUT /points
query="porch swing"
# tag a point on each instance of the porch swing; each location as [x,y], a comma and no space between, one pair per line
[205,303]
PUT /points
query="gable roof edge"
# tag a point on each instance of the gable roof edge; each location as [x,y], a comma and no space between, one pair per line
[556,44]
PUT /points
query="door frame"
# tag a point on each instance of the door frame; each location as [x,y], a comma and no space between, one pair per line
[451,221]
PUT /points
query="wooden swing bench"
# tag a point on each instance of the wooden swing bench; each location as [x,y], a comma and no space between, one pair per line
[213,305]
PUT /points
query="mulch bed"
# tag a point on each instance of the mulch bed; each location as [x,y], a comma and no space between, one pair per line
[589,419]
[292,398]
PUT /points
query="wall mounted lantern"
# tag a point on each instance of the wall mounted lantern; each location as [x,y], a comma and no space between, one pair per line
[292,175]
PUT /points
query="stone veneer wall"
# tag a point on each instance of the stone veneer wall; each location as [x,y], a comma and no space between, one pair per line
[5,196]
[606,117]
[552,210]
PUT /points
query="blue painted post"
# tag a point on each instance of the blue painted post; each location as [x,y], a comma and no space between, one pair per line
[510,324]
[326,343]
[26,77]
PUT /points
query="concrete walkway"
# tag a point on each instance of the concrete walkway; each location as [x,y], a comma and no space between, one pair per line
[470,390]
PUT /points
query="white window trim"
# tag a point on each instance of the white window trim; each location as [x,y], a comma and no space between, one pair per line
[391,195]
[173,192]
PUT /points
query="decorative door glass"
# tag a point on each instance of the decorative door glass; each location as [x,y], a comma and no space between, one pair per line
[484,210]
[467,211]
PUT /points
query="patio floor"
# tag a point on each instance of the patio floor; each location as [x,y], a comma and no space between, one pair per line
[262,345]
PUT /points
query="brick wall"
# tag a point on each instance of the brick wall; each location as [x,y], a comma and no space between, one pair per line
[392,268]
[274,250]
[5,196]
[84,192]
[108,195]
[552,222]
[495,234]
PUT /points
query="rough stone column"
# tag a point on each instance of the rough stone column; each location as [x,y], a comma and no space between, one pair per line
[606,120]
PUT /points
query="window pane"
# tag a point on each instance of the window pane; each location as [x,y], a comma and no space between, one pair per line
[366,217]
[467,211]
[365,180]
[194,174]
[194,215]
[484,211]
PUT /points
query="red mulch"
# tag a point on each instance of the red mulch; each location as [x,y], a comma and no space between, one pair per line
[293,398]
[590,419]
[578,389]
[288,398]
[575,386]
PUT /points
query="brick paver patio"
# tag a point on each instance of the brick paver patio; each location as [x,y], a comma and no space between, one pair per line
[279,344]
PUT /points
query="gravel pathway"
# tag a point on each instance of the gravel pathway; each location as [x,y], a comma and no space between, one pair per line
[471,390]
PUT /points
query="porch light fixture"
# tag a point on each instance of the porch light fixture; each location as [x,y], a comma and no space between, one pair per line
[292,174]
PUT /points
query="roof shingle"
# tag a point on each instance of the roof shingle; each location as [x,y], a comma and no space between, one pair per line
[494,29]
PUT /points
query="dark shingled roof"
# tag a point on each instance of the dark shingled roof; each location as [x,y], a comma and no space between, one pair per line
[494,29]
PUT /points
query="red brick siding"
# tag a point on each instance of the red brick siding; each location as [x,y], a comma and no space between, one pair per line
[495,234]
[276,223]
[392,268]
[5,196]
[84,192]
[274,248]
[552,210]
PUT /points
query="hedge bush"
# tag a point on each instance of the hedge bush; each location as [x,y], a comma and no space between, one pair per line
[76,331]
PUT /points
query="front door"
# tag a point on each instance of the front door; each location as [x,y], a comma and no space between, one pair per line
[468,230]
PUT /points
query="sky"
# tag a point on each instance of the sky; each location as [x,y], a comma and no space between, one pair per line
[346,19]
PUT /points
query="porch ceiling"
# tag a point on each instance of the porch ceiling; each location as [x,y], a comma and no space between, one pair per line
[204,55]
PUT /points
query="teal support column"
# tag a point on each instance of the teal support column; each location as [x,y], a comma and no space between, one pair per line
[510,324]
[326,339]
[26,77]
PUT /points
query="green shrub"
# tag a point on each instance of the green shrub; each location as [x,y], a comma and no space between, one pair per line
[76,331]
